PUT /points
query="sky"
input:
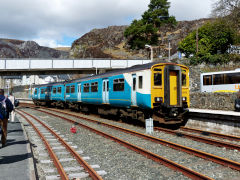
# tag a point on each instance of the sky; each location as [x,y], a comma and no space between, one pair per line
[57,23]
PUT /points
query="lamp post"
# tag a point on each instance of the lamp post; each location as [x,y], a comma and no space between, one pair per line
[148,46]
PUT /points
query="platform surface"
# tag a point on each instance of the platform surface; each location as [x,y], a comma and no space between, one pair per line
[15,157]
[220,112]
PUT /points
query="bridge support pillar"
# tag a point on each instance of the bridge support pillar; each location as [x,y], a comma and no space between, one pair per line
[2,82]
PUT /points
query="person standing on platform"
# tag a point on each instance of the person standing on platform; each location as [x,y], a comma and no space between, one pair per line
[12,99]
[5,108]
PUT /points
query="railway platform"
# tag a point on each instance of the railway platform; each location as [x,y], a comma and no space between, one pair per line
[16,160]
[215,114]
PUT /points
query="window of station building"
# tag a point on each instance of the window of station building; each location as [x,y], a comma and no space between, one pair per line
[54,90]
[118,84]
[140,82]
[218,79]
[157,79]
[184,78]
[86,87]
[67,89]
[59,90]
[207,80]
[72,89]
[94,87]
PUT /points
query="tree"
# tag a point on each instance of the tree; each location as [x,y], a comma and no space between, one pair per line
[213,38]
[144,31]
[228,9]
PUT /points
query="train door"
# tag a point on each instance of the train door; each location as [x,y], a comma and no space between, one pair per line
[173,87]
[48,93]
[133,93]
[79,92]
[105,91]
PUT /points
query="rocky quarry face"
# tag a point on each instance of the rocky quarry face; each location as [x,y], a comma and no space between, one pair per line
[111,43]
[28,49]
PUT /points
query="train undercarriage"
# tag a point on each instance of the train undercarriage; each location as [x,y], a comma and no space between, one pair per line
[162,115]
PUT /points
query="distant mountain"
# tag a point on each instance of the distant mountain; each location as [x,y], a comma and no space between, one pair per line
[11,48]
[110,42]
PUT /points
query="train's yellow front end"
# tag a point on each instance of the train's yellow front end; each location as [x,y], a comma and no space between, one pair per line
[170,92]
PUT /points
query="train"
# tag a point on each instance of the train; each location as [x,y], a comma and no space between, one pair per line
[156,90]
[222,81]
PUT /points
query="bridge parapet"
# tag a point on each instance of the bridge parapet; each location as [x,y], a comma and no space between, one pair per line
[57,64]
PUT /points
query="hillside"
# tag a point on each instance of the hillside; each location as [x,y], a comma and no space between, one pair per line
[110,42]
[11,48]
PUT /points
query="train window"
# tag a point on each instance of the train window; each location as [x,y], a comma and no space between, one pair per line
[207,80]
[54,90]
[59,90]
[67,89]
[232,78]
[134,84]
[140,82]
[42,91]
[118,85]
[35,92]
[107,85]
[218,79]
[94,87]
[72,89]
[157,79]
[184,79]
[86,87]
[157,69]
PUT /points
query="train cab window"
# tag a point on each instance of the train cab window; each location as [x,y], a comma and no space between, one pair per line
[35,92]
[54,90]
[86,87]
[218,79]
[140,82]
[118,85]
[72,89]
[157,79]
[59,90]
[184,79]
[67,89]
[42,91]
[207,80]
[94,87]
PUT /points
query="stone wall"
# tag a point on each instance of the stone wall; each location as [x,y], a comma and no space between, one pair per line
[217,101]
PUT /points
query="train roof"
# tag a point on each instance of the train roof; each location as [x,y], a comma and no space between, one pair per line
[222,72]
[110,73]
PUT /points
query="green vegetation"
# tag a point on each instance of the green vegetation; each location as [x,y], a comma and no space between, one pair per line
[144,31]
[214,38]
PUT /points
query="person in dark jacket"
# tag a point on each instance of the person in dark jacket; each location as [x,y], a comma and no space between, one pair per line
[9,107]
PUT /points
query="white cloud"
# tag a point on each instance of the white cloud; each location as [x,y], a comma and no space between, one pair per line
[47,21]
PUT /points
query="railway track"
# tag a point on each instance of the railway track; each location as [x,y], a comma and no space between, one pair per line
[201,154]
[201,139]
[45,133]
[155,157]
[210,133]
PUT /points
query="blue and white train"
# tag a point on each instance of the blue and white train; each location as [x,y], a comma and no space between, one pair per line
[157,90]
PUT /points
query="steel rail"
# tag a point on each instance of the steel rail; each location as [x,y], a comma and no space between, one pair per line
[93,174]
[56,162]
[155,157]
[225,162]
[210,133]
[200,139]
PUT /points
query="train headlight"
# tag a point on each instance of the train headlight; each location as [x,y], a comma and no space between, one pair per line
[158,99]
[184,99]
